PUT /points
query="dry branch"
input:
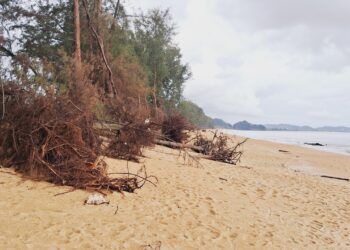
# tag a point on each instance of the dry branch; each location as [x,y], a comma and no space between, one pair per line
[44,138]
[174,128]
[101,47]
[336,178]
[220,148]
[20,60]
[178,145]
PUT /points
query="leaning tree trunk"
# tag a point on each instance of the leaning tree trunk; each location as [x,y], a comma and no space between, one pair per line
[155,92]
[115,16]
[77,35]
[100,43]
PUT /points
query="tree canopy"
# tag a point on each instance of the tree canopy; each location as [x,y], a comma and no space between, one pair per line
[139,49]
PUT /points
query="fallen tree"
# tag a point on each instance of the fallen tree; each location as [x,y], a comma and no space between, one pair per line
[49,138]
[219,148]
[178,145]
[174,128]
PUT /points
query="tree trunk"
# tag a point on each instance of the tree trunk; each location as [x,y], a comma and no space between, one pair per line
[77,34]
[97,12]
[179,145]
[99,40]
[155,93]
[115,16]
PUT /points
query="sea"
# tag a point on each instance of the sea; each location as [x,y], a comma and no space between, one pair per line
[336,142]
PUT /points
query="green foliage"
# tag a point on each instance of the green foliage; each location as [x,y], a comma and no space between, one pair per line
[39,29]
[37,33]
[161,58]
[48,28]
[219,123]
[195,114]
[141,53]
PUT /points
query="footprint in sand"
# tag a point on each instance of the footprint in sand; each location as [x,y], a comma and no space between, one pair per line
[260,192]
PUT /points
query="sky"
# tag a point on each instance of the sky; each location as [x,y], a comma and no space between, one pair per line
[265,61]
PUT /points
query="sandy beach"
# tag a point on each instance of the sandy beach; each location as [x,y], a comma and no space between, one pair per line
[271,200]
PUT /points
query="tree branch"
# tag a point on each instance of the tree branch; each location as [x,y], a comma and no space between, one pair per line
[9,53]
[116,9]
[101,47]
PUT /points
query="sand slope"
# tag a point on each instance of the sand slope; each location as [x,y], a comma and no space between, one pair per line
[269,206]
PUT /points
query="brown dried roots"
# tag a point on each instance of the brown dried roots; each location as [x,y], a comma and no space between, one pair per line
[220,148]
[134,131]
[128,141]
[174,128]
[49,138]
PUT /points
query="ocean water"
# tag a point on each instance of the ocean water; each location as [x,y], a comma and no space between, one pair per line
[335,142]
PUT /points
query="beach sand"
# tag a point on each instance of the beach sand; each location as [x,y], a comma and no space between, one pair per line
[271,200]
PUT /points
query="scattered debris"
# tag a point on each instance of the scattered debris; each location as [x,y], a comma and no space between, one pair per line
[337,178]
[178,145]
[174,128]
[116,211]
[315,144]
[246,167]
[220,148]
[283,151]
[223,179]
[154,246]
[96,199]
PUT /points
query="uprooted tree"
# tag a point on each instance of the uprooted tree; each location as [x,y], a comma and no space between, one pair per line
[54,114]
[50,138]
[79,81]
[219,147]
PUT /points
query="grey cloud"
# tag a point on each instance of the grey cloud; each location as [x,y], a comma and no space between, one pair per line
[279,14]
[267,61]
[310,26]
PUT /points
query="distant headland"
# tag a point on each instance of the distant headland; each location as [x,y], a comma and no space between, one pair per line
[245,125]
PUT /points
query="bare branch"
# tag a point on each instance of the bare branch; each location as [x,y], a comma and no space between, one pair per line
[9,53]
[101,47]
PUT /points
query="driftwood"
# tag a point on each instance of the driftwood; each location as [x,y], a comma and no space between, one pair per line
[283,151]
[314,144]
[223,179]
[336,178]
[178,145]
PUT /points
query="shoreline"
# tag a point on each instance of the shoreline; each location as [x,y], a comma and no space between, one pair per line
[305,159]
[325,148]
[262,203]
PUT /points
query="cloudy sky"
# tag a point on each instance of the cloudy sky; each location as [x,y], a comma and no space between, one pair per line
[266,61]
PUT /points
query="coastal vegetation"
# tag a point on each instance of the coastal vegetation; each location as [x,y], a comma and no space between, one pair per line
[85,79]
[73,69]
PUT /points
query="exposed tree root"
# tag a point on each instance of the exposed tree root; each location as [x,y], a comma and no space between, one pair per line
[49,138]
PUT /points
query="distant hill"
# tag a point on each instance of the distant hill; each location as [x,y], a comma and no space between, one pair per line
[244,125]
[197,117]
[288,127]
[219,123]
[334,129]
